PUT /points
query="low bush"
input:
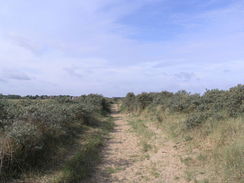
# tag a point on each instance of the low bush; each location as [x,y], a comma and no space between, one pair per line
[198,107]
[30,127]
[196,119]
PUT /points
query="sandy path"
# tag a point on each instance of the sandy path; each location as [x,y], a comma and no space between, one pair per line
[124,161]
[120,152]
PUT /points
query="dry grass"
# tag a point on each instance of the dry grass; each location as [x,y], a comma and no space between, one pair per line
[5,152]
[215,148]
[143,131]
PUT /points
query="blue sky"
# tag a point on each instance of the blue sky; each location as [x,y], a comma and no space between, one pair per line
[112,47]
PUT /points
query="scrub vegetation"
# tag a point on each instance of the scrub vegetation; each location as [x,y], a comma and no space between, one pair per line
[38,134]
[174,137]
[210,125]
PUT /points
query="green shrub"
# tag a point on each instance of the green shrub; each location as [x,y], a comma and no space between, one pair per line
[129,102]
[196,119]
[31,127]
[235,100]
[3,114]
[212,103]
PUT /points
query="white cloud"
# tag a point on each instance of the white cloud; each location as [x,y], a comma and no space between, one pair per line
[63,47]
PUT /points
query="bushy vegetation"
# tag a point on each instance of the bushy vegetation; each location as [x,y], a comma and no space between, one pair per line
[214,103]
[213,122]
[30,128]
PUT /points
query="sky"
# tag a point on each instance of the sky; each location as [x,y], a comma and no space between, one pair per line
[112,47]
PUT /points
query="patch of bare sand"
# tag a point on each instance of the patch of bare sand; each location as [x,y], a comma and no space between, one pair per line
[124,161]
[120,152]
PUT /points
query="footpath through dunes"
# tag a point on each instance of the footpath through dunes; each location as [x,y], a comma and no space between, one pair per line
[131,157]
[120,152]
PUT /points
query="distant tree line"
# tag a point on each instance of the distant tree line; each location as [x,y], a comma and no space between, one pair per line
[2,96]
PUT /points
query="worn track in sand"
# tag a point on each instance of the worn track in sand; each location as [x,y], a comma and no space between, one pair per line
[124,161]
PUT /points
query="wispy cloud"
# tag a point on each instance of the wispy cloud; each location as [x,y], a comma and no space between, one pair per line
[28,44]
[19,76]
[7,75]
[75,47]
[185,76]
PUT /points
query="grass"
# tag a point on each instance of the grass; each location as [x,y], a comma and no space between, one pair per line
[219,145]
[201,181]
[232,161]
[202,157]
[189,175]
[154,172]
[111,170]
[223,143]
[187,161]
[82,164]
[145,134]
[140,128]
